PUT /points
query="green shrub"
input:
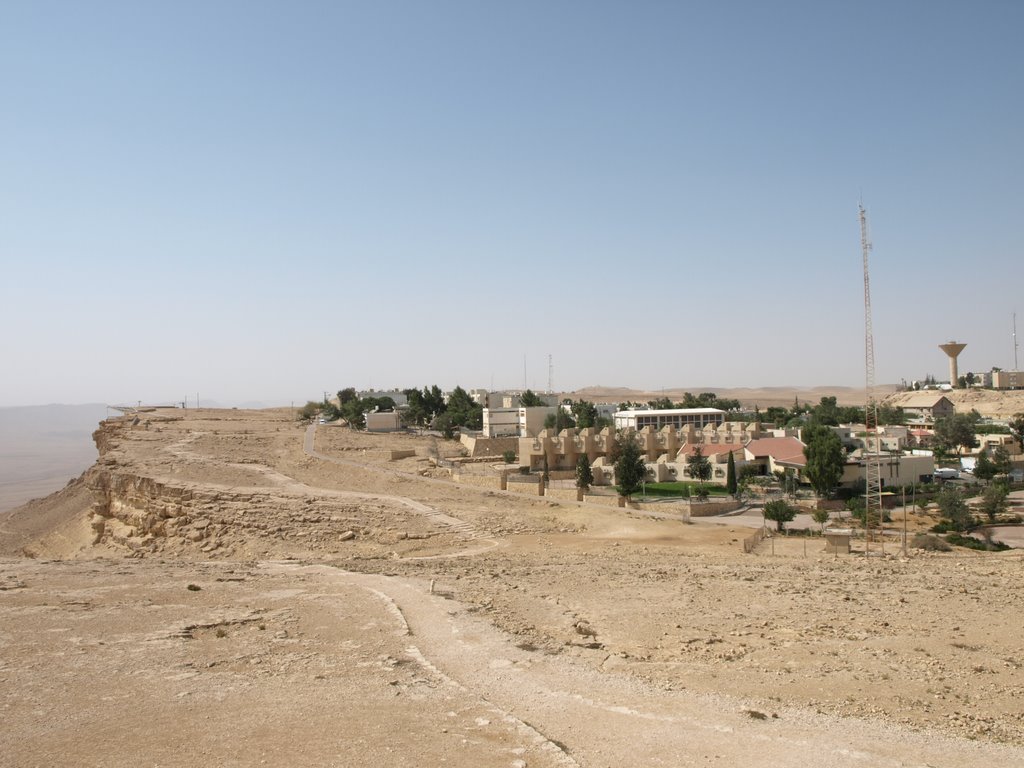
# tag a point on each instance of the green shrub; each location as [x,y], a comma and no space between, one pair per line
[971,543]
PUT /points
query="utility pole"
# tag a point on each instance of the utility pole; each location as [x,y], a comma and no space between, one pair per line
[872,458]
[551,375]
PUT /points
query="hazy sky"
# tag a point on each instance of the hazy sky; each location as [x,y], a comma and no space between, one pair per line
[263,201]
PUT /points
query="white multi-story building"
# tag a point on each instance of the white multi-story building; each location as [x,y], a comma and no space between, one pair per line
[515,422]
[680,418]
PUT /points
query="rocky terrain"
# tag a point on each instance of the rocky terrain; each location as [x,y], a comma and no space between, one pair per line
[233,588]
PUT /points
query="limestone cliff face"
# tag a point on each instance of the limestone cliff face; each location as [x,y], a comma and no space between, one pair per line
[129,508]
[136,506]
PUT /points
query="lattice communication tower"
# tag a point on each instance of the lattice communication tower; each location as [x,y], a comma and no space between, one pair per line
[872,452]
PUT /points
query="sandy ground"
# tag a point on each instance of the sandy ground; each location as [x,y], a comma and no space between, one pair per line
[346,609]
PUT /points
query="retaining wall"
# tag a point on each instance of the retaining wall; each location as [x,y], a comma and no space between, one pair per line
[531,488]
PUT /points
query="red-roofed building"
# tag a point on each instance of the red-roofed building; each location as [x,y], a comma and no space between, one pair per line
[776,453]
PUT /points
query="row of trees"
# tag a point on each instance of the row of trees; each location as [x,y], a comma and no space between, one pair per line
[582,413]
[827,413]
[428,408]
[703,400]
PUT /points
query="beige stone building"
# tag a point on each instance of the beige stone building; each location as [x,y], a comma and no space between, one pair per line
[665,449]
[383,421]
[926,406]
[1008,379]
[898,470]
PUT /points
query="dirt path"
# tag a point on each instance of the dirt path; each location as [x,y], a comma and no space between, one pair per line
[592,717]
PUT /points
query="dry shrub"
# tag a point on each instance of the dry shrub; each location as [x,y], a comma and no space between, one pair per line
[930,543]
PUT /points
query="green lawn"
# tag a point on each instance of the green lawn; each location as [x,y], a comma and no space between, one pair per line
[683,490]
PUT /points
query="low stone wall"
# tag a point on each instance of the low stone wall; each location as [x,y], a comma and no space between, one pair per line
[562,474]
[403,454]
[489,447]
[569,494]
[608,501]
[683,510]
[481,481]
[711,508]
[533,487]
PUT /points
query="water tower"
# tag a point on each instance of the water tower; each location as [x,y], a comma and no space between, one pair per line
[953,350]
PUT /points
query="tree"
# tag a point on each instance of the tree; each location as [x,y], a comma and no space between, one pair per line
[530,399]
[309,410]
[984,469]
[424,406]
[956,432]
[558,420]
[993,501]
[787,481]
[825,458]
[954,509]
[661,404]
[779,511]
[1016,425]
[1001,461]
[820,516]
[352,411]
[584,474]
[889,414]
[585,414]
[509,456]
[346,395]
[463,411]
[699,465]
[826,412]
[730,475]
[443,423]
[630,471]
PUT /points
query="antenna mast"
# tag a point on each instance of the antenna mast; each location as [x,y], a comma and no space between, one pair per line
[1015,342]
[872,455]
[551,375]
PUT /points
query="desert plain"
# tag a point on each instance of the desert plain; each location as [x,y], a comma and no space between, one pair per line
[229,587]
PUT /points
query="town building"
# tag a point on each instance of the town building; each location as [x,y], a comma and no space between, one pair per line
[679,418]
[1008,379]
[515,422]
[383,421]
[926,406]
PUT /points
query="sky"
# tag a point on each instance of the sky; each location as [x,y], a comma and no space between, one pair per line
[262,201]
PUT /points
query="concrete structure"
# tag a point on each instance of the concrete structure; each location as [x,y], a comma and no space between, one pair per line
[680,418]
[716,453]
[927,406]
[514,422]
[897,470]
[1008,379]
[383,421]
[953,350]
